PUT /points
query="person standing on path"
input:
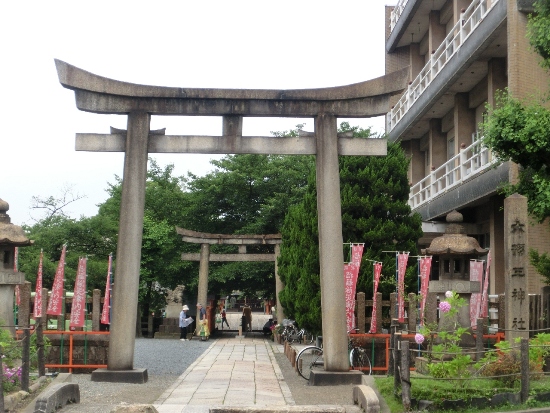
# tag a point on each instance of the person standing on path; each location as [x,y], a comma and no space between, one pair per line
[224,318]
[183,323]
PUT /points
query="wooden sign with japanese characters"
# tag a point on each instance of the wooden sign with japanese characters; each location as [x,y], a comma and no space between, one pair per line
[515,266]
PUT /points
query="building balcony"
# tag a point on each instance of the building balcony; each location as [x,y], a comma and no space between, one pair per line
[397,12]
[448,62]
[452,184]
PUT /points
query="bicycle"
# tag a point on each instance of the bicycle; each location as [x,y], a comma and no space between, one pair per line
[358,357]
[300,336]
[289,328]
[311,357]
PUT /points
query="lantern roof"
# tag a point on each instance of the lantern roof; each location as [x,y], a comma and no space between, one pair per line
[455,241]
[10,234]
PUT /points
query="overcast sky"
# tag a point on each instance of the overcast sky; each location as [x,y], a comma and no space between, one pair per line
[226,44]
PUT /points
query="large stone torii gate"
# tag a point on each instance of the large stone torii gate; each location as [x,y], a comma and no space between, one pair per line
[102,95]
[242,240]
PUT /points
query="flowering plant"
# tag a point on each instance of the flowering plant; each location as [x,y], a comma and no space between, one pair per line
[444,306]
[11,378]
[419,338]
[445,359]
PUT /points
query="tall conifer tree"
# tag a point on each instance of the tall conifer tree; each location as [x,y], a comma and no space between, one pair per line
[374,192]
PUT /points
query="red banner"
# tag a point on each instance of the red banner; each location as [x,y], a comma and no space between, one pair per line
[356,254]
[351,272]
[425,270]
[105,314]
[38,289]
[476,274]
[402,259]
[79,297]
[485,294]
[377,272]
[55,305]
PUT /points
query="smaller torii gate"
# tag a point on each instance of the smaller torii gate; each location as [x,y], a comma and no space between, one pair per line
[204,257]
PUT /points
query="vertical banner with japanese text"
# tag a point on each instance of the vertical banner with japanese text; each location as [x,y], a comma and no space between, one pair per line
[425,270]
[402,259]
[38,289]
[476,274]
[484,312]
[105,313]
[79,297]
[55,305]
[377,267]
[16,269]
[351,272]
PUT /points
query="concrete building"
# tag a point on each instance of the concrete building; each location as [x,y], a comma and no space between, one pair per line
[459,53]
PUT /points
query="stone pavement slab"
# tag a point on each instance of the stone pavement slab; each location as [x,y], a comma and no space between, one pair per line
[236,371]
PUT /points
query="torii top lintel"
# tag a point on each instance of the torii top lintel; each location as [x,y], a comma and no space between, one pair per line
[99,94]
[234,239]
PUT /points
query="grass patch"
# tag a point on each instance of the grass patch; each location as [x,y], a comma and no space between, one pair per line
[439,390]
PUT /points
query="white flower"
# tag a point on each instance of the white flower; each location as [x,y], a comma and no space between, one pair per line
[449,294]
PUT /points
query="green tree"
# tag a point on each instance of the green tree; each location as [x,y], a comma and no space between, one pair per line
[520,131]
[93,238]
[374,193]
[161,265]
[245,194]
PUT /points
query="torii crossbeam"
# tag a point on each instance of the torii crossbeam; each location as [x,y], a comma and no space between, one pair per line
[98,94]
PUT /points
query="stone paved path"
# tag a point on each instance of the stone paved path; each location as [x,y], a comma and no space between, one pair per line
[232,372]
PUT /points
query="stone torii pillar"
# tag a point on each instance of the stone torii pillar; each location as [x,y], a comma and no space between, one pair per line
[98,94]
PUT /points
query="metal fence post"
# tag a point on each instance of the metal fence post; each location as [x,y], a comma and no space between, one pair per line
[524,347]
[1,380]
[405,375]
[25,359]
[396,361]
[40,348]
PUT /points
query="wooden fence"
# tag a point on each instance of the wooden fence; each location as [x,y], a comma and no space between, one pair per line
[25,310]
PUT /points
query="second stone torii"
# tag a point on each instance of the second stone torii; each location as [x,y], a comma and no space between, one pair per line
[204,257]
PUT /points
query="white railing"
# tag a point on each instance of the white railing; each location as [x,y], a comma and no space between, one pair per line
[396,13]
[467,23]
[469,162]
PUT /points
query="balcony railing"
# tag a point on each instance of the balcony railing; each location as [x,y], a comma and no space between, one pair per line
[396,13]
[469,162]
[467,23]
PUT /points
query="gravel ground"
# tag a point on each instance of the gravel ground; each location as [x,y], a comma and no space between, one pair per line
[165,361]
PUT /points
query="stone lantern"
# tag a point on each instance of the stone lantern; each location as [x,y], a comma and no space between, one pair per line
[455,250]
[11,236]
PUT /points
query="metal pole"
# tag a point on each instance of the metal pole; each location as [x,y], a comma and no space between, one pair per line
[25,359]
[524,347]
[1,380]
[405,376]
[40,347]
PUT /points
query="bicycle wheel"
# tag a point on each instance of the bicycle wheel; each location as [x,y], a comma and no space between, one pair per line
[359,360]
[308,359]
